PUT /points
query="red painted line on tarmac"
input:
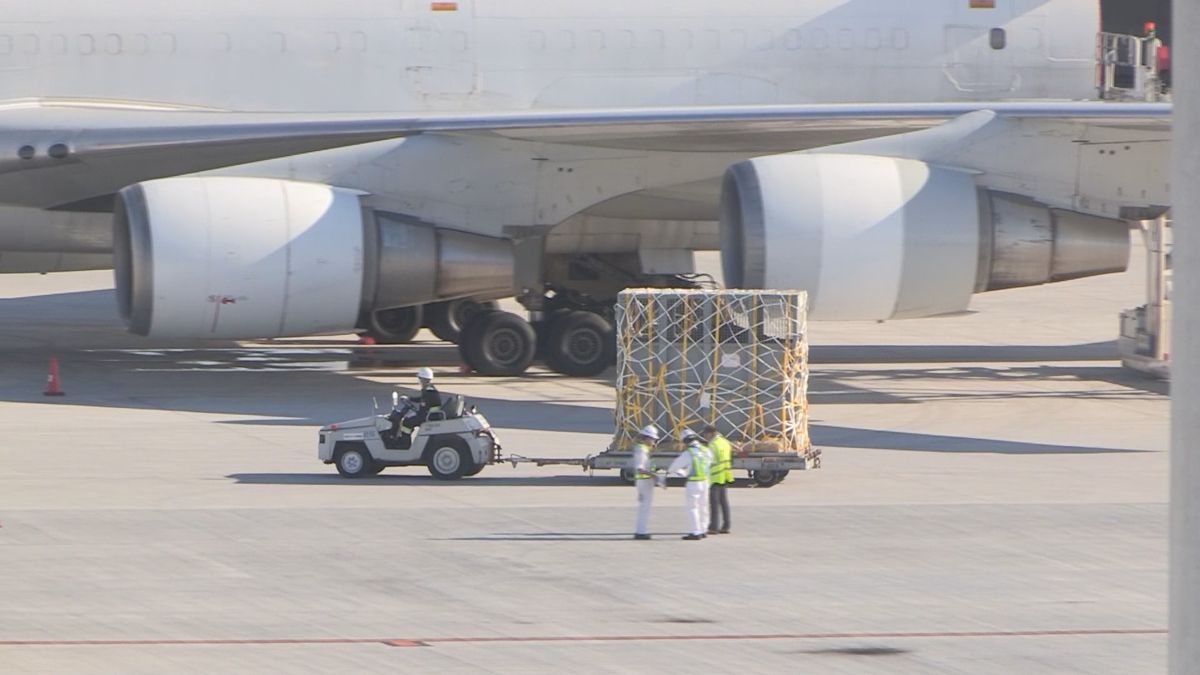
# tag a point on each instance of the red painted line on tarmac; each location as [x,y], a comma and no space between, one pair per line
[806,636]
[152,643]
[424,642]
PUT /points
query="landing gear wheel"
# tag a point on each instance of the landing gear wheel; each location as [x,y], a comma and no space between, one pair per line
[450,459]
[498,343]
[447,319]
[767,477]
[580,344]
[354,462]
[395,326]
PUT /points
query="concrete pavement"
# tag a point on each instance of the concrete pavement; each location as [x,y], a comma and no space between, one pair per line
[992,500]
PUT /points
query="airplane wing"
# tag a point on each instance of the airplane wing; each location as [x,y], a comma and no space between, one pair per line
[59,155]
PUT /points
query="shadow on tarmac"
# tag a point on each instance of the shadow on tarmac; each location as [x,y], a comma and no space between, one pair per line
[602,479]
[851,437]
[304,382]
[848,385]
[544,536]
[333,478]
[1090,351]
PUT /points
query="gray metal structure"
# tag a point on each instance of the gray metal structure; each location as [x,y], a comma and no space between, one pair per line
[1184,641]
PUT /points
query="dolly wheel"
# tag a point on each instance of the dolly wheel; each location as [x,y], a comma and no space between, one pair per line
[766,477]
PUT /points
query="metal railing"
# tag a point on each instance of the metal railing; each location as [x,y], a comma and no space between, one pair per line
[1129,68]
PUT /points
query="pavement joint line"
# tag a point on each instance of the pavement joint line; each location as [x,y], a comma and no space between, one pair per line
[425,642]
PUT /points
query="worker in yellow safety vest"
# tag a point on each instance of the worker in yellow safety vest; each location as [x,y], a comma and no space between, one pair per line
[694,463]
[720,480]
[644,478]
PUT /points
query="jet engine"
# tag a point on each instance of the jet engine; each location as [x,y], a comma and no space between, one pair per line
[241,258]
[879,238]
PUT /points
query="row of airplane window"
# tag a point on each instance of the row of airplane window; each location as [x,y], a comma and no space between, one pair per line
[166,43]
[735,40]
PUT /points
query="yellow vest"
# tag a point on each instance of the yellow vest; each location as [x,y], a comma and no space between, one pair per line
[722,467]
[700,464]
[649,461]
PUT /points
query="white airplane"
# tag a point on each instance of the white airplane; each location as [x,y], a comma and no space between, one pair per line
[292,167]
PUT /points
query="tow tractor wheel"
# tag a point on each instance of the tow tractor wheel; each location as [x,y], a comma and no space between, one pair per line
[450,459]
[354,462]
[498,343]
[475,469]
[580,344]
[447,319]
[767,477]
[396,325]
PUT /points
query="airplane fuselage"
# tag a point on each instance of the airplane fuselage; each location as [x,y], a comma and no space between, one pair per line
[411,55]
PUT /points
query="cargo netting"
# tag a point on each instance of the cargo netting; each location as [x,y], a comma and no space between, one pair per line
[736,359]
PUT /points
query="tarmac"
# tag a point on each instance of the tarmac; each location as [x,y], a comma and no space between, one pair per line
[992,500]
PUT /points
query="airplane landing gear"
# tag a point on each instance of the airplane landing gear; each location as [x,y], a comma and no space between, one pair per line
[447,319]
[498,343]
[578,343]
[396,325]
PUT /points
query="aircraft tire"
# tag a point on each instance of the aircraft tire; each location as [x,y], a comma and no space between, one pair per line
[395,326]
[498,343]
[580,344]
[447,319]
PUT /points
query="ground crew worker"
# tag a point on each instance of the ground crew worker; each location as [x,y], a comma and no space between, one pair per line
[704,503]
[720,480]
[644,471]
[430,401]
[694,463]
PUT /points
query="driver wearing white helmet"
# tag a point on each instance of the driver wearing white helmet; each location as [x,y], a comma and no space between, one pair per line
[430,401]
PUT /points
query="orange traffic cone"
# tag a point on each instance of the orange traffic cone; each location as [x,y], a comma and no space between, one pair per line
[464,369]
[53,388]
[366,340]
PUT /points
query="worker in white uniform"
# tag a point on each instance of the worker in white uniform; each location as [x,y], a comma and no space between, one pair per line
[694,464]
[705,507]
[644,472]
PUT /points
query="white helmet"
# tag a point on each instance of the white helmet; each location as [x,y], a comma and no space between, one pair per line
[689,437]
[425,374]
[650,431]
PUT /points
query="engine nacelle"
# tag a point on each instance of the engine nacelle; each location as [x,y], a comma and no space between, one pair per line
[874,238]
[241,258]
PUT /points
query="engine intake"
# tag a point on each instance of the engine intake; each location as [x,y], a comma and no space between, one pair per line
[874,238]
[241,258]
